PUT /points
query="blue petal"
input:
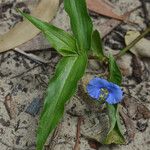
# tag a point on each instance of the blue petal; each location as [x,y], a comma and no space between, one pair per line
[115,94]
[99,83]
[93,91]
[111,99]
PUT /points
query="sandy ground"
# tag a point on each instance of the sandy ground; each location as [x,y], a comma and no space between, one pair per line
[23,83]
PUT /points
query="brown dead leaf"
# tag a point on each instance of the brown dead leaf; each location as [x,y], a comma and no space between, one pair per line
[131,106]
[111,24]
[101,7]
[37,43]
[128,124]
[143,112]
[135,109]
[137,68]
[140,49]
[108,26]
[24,31]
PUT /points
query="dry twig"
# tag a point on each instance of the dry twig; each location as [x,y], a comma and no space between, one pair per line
[77,144]
[31,56]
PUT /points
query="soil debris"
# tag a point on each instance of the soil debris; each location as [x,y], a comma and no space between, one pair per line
[34,107]
[10,106]
[137,69]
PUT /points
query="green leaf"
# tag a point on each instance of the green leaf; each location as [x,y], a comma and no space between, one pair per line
[96,44]
[115,133]
[115,73]
[61,87]
[62,41]
[81,23]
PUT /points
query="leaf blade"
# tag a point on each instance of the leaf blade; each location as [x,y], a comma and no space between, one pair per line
[115,73]
[96,45]
[61,88]
[80,21]
[62,41]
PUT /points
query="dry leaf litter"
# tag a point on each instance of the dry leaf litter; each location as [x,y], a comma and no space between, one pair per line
[23,82]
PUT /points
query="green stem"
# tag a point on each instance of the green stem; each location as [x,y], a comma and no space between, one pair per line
[133,43]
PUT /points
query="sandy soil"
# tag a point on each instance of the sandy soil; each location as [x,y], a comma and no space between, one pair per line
[23,82]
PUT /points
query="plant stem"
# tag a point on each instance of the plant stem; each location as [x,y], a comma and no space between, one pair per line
[133,43]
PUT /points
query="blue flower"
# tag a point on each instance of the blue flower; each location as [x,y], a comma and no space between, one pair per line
[99,88]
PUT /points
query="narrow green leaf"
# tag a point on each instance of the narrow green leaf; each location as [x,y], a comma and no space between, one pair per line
[62,41]
[115,73]
[81,23]
[61,87]
[96,44]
